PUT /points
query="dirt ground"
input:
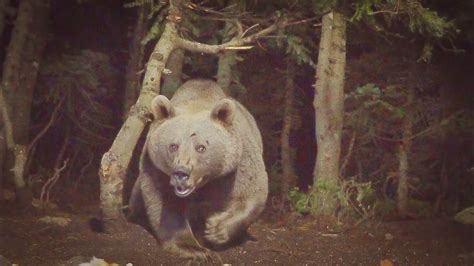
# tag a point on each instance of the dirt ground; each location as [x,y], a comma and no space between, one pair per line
[291,241]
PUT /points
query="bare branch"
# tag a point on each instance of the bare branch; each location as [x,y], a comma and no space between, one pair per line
[385,12]
[426,131]
[197,7]
[305,21]
[46,127]
[83,170]
[348,155]
[240,47]
[250,28]
[48,185]
[231,45]
[453,49]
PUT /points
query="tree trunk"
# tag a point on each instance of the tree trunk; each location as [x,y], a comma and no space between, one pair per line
[23,194]
[329,107]
[115,162]
[228,59]
[403,168]
[3,149]
[289,176]
[3,154]
[13,58]
[447,109]
[3,6]
[224,71]
[135,62]
[20,70]
[22,61]
[31,61]
[172,78]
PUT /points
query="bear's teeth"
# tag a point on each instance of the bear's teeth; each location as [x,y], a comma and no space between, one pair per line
[183,191]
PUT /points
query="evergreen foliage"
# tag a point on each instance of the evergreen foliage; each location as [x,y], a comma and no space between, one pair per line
[410,13]
[375,110]
[84,82]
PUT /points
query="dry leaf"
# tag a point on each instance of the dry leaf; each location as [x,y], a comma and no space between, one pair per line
[386,263]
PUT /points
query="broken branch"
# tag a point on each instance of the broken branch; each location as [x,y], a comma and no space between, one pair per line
[231,45]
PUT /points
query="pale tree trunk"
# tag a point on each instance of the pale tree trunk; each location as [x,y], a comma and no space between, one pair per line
[22,61]
[289,179]
[19,77]
[329,108]
[403,156]
[13,58]
[135,62]
[23,195]
[3,150]
[115,162]
[31,61]
[228,59]
[224,71]
[172,77]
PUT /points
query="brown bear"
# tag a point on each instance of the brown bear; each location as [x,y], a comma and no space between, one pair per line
[202,179]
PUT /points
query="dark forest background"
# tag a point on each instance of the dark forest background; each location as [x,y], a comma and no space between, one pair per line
[404,59]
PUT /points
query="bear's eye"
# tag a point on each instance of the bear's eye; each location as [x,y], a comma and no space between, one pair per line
[173,147]
[200,148]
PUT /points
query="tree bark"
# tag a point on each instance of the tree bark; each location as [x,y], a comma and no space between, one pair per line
[227,60]
[3,154]
[172,78]
[3,6]
[115,162]
[21,63]
[20,70]
[447,109]
[329,105]
[135,62]
[403,167]
[289,178]
[12,64]
[23,194]
[31,60]
[224,71]
[3,149]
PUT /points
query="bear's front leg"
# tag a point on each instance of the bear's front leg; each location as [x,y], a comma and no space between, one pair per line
[169,224]
[225,226]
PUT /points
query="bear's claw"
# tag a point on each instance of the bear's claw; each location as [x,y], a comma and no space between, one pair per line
[217,231]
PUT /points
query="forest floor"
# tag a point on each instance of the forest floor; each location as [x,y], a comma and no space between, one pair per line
[25,240]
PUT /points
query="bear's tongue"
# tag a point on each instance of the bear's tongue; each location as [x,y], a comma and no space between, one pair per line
[182,191]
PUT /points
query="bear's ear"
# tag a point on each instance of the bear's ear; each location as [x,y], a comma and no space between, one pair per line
[161,108]
[224,112]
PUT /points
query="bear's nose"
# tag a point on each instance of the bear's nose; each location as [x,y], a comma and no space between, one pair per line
[181,175]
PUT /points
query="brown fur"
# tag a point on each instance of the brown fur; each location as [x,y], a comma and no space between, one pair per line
[217,143]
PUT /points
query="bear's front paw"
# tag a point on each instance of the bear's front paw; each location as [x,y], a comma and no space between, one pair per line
[217,230]
[191,252]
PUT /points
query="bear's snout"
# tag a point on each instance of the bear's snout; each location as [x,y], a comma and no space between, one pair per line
[180,180]
[181,175]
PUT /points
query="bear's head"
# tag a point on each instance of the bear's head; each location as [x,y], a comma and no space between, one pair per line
[193,148]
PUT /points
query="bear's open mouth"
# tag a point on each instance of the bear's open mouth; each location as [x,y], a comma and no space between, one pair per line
[183,191]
